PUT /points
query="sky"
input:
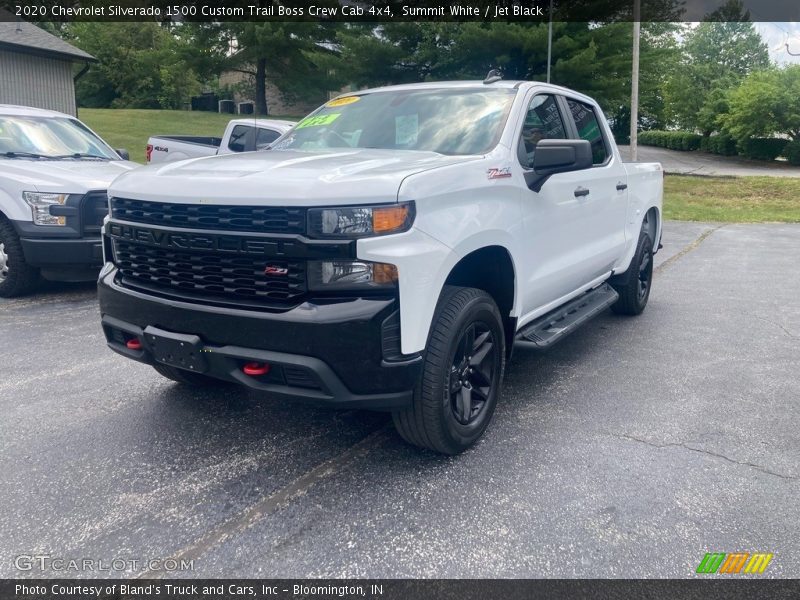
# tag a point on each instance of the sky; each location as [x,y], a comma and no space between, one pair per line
[776,35]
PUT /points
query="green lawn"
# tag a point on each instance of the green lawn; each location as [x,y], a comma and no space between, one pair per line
[732,200]
[129,128]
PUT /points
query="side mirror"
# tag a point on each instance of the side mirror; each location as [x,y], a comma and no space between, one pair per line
[557,156]
[236,146]
[123,154]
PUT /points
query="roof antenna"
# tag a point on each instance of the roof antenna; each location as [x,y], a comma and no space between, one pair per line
[493,75]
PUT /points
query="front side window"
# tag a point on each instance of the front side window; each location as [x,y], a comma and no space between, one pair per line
[448,121]
[50,137]
[542,121]
[589,129]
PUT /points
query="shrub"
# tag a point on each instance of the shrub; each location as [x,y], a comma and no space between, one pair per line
[673,140]
[722,144]
[762,148]
[792,152]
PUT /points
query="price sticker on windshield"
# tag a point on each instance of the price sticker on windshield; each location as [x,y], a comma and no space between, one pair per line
[343,101]
[318,120]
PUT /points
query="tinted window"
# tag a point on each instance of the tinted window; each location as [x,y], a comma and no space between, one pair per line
[265,137]
[448,121]
[241,139]
[589,129]
[542,121]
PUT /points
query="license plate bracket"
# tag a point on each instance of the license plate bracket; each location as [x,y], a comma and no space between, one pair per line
[181,350]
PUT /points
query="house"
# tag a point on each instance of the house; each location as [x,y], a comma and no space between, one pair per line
[37,68]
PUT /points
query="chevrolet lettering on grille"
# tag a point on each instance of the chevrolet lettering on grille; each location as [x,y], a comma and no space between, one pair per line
[204,241]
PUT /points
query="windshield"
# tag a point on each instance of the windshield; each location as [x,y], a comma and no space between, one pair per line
[447,121]
[50,137]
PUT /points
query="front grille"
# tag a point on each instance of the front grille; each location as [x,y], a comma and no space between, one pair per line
[213,277]
[258,219]
[94,208]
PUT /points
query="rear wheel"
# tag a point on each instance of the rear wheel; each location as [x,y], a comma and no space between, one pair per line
[462,374]
[187,377]
[16,276]
[634,293]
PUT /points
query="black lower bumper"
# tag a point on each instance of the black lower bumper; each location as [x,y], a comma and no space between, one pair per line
[56,247]
[330,352]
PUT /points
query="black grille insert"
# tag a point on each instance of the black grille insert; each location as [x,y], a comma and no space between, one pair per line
[258,219]
[210,276]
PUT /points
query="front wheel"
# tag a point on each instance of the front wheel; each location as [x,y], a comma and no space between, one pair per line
[16,276]
[462,374]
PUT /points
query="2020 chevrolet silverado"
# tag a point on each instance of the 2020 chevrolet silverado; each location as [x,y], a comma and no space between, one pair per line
[387,253]
[54,172]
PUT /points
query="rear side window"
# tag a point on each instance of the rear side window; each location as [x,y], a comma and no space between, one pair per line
[242,139]
[265,137]
[542,122]
[589,129]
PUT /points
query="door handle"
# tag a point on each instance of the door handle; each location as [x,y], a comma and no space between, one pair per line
[622,186]
[581,191]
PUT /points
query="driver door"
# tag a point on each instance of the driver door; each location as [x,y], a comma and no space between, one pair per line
[555,219]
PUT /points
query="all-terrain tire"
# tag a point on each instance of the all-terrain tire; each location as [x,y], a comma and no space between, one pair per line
[440,418]
[637,280]
[187,377]
[16,276]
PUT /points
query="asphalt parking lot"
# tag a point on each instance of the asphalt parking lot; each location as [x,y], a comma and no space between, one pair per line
[628,450]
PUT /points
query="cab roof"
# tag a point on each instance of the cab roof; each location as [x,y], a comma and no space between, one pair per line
[30,111]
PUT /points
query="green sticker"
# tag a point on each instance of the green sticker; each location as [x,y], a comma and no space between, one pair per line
[318,120]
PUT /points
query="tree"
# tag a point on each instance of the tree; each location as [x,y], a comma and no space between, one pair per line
[291,55]
[717,54]
[765,104]
[139,65]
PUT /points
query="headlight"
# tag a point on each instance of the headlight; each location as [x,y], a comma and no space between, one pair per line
[360,221]
[339,275]
[40,204]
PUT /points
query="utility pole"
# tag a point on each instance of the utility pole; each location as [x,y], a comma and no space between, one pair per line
[635,80]
[549,41]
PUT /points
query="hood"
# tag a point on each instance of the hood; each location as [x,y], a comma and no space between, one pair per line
[66,176]
[283,177]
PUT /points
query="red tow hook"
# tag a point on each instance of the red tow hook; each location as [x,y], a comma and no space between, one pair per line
[134,344]
[254,369]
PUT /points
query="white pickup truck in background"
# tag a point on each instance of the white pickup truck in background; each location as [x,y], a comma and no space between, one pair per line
[241,135]
[386,253]
[54,172]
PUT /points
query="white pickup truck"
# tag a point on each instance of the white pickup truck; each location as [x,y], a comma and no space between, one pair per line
[54,172]
[241,135]
[386,253]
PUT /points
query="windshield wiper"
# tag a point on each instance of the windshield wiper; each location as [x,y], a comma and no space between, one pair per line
[79,155]
[12,154]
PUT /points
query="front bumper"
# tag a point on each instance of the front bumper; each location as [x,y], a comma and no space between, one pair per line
[338,352]
[54,252]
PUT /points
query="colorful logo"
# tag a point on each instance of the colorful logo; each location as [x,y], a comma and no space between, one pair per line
[734,562]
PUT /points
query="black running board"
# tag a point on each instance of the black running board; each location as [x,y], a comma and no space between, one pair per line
[557,324]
